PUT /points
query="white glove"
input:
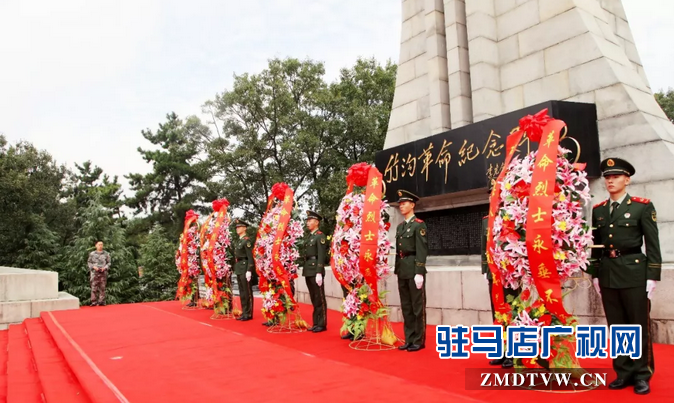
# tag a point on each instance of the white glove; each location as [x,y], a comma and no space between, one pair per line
[319,279]
[419,280]
[595,281]
[248,275]
[650,287]
[486,278]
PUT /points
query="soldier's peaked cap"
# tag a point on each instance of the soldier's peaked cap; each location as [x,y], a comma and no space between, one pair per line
[241,223]
[616,166]
[313,214]
[405,195]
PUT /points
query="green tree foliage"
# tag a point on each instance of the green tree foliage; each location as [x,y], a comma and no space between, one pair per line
[30,185]
[177,176]
[666,101]
[89,182]
[157,258]
[98,225]
[287,124]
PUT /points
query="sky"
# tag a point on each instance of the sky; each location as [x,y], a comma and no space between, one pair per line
[81,79]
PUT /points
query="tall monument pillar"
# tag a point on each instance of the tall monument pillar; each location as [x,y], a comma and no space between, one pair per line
[466,61]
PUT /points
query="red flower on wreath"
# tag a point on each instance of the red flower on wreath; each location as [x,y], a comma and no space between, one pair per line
[190,215]
[530,362]
[526,294]
[279,190]
[219,204]
[358,174]
[546,319]
[533,125]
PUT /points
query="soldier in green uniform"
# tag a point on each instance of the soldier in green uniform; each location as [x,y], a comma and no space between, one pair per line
[504,361]
[243,268]
[623,275]
[314,271]
[410,267]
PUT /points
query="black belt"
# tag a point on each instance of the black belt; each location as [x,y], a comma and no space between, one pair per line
[403,254]
[614,253]
[241,260]
[311,257]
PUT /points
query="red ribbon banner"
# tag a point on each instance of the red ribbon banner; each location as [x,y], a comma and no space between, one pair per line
[281,273]
[369,232]
[539,221]
[500,304]
[183,283]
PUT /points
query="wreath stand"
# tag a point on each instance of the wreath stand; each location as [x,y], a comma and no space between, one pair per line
[374,339]
[194,300]
[291,323]
[234,311]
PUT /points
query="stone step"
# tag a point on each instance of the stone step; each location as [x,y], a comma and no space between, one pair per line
[26,285]
[58,382]
[17,311]
[23,384]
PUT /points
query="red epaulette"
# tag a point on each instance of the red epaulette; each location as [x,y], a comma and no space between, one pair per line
[246,238]
[600,204]
[418,220]
[319,233]
[487,216]
[641,200]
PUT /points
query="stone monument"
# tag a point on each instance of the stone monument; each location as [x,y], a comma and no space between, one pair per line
[467,61]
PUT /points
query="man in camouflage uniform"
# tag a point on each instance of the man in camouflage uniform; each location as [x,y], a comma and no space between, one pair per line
[410,267]
[243,268]
[99,265]
[623,275]
[314,271]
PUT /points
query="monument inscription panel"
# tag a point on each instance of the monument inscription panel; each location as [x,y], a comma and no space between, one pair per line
[471,156]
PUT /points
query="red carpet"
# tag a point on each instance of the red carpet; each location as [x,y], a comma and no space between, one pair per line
[160,353]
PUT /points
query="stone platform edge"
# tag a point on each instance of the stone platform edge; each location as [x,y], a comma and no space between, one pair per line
[459,295]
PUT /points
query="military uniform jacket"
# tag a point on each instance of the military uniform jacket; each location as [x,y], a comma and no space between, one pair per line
[411,249]
[243,256]
[98,260]
[633,224]
[485,264]
[314,254]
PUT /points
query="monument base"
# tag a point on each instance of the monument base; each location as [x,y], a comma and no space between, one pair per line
[25,293]
[458,295]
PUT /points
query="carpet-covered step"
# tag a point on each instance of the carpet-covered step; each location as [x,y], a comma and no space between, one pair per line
[59,384]
[4,336]
[23,384]
[96,386]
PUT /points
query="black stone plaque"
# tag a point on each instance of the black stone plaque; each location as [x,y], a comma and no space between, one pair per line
[455,231]
[469,157]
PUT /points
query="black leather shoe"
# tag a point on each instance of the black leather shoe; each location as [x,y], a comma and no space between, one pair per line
[404,346]
[245,318]
[241,318]
[267,323]
[94,304]
[619,384]
[347,336]
[311,329]
[319,329]
[496,362]
[641,387]
[415,347]
[507,363]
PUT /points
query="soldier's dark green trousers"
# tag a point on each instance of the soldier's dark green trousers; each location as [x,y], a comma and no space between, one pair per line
[317,295]
[631,306]
[246,296]
[413,304]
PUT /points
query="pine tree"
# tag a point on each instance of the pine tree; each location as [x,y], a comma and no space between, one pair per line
[157,258]
[98,225]
[40,246]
